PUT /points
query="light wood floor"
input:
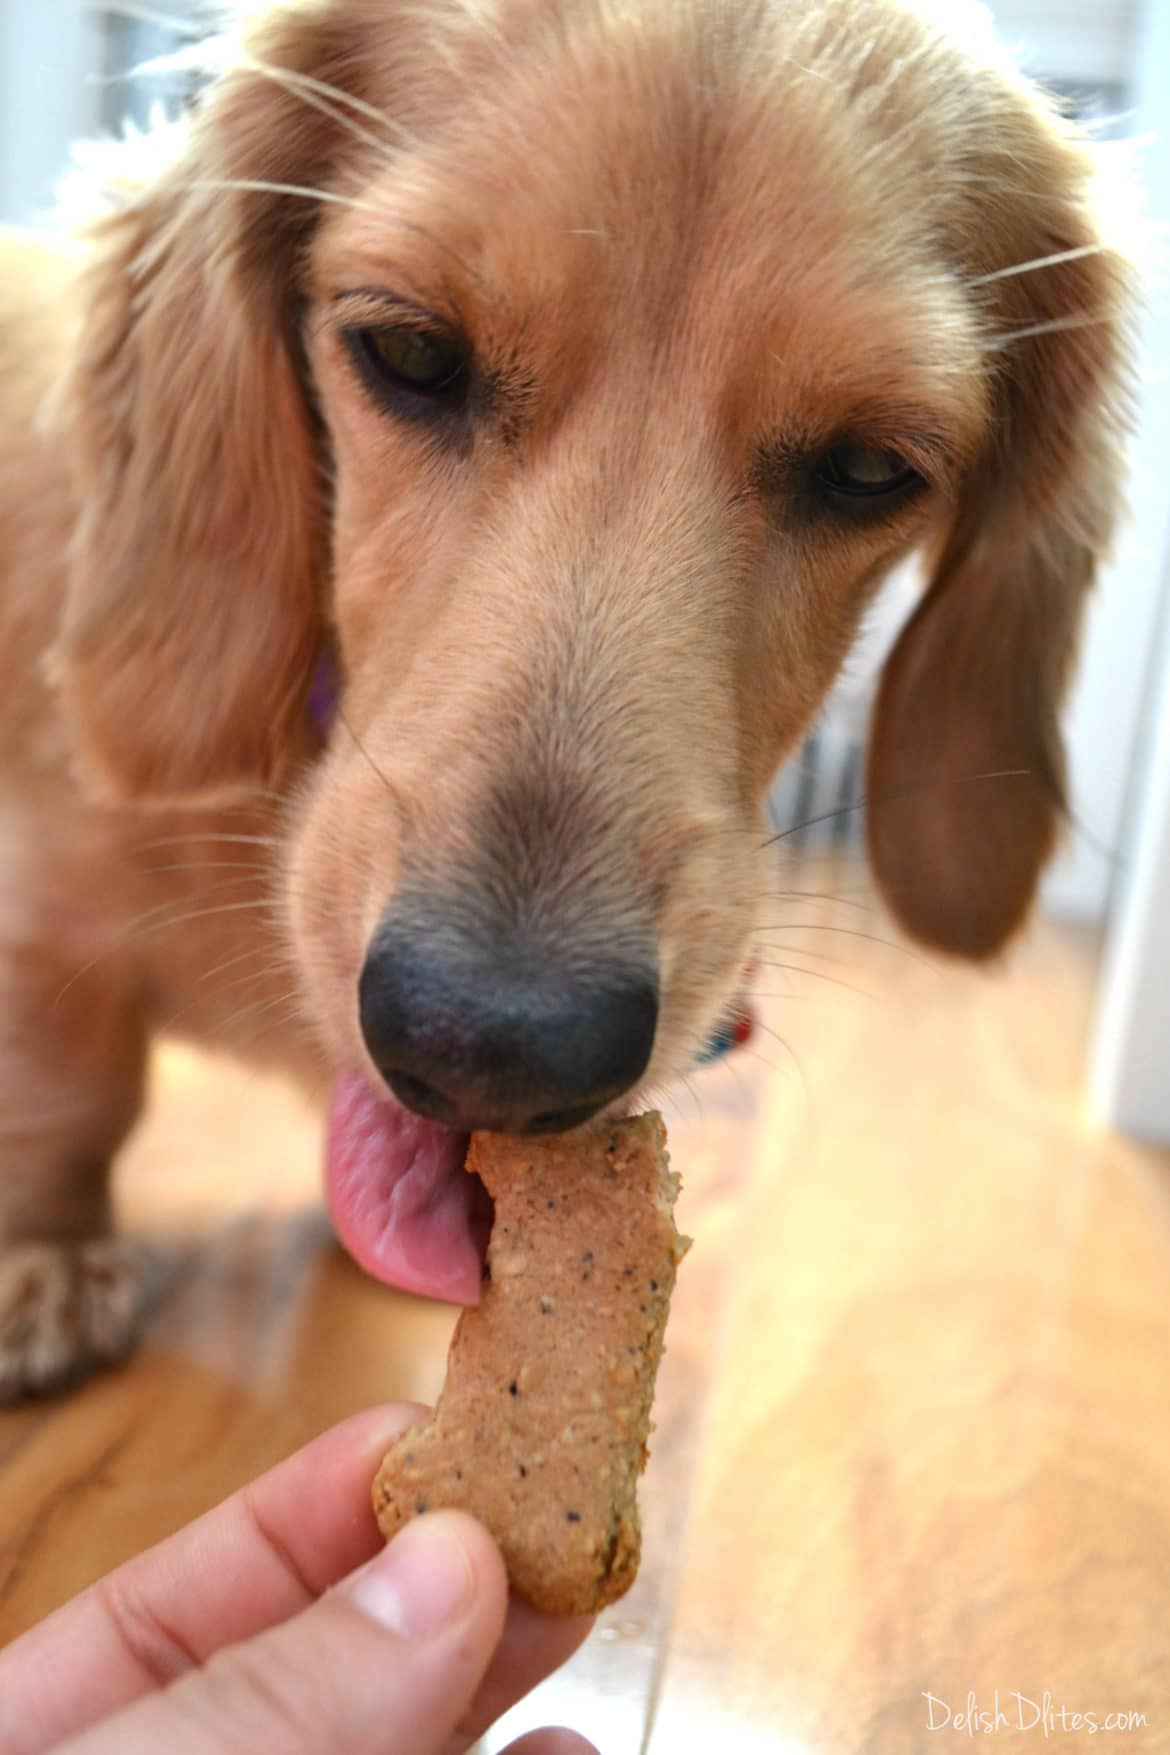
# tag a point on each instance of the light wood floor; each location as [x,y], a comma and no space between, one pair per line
[914,1424]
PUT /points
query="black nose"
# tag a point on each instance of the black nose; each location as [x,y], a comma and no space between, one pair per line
[499,1035]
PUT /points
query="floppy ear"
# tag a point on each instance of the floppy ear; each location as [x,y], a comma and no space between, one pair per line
[192,617]
[966,765]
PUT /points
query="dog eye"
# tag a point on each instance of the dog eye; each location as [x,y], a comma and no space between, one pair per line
[403,357]
[851,472]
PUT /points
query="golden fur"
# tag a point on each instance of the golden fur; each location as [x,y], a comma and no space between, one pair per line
[699,242]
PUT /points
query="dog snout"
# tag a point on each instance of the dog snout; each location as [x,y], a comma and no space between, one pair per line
[492,1033]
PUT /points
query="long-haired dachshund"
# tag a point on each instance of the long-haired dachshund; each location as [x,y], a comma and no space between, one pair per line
[437,490]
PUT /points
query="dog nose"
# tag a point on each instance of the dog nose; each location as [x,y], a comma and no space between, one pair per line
[500,1036]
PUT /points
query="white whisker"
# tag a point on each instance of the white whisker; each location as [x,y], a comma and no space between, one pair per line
[199,837]
[138,930]
[789,1051]
[815,974]
[134,14]
[326,99]
[1056,326]
[289,999]
[246,868]
[1051,261]
[873,938]
[256,902]
[252,955]
[815,898]
[129,927]
[731,1063]
[257,186]
[798,950]
[693,1095]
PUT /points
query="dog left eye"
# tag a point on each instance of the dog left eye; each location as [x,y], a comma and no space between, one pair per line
[403,357]
[850,471]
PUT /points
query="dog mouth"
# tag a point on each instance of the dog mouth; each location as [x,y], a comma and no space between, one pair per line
[400,1199]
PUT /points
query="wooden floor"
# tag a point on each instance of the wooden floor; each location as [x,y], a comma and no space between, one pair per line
[914,1421]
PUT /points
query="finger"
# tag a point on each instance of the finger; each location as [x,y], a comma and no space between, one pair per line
[256,1559]
[387,1660]
[532,1647]
[552,1742]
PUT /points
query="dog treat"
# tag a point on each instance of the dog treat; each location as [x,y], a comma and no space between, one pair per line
[542,1425]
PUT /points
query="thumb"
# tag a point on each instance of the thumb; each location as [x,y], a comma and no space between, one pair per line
[390,1659]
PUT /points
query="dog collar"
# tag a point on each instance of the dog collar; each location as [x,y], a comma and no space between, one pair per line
[736,1026]
[323,692]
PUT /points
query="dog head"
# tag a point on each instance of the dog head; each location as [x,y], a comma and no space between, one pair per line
[578,372]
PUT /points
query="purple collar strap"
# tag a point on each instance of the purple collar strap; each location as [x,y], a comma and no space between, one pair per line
[323,694]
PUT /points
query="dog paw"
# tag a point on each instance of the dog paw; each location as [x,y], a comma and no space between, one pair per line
[64,1308]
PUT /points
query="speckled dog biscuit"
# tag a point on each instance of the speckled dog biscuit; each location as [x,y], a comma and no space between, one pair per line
[542,1425]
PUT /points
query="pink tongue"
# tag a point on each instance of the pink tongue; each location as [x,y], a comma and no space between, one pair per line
[403,1204]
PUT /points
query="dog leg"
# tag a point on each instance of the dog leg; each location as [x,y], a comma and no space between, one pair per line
[72,1052]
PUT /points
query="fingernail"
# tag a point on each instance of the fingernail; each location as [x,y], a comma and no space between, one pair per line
[422,1583]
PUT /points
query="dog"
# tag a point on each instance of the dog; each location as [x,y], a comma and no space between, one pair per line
[438,487]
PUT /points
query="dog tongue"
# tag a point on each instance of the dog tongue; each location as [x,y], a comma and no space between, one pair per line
[403,1204]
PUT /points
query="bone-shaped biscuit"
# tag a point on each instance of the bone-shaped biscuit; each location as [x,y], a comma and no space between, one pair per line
[542,1425]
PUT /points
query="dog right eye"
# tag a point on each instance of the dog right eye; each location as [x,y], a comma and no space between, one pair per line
[420,365]
[864,471]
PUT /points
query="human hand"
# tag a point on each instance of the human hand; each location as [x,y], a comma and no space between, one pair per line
[277,1624]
